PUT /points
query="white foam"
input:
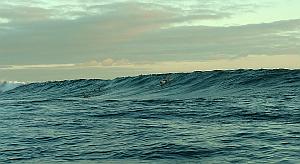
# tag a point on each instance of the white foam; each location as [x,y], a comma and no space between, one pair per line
[9,85]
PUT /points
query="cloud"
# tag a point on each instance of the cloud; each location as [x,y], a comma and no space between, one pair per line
[111,62]
[36,66]
[17,14]
[192,43]
[4,20]
[3,67]
[108,62]
[30,11]
[142,31]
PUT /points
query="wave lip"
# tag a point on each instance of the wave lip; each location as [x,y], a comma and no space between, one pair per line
[9,85]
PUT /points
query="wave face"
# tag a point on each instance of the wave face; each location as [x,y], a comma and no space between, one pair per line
[236,116]
[9,85]
[180,86]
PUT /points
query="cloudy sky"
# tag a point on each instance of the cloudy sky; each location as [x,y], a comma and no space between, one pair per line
[70,39]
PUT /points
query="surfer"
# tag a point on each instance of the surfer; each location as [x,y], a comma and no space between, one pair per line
[165,81]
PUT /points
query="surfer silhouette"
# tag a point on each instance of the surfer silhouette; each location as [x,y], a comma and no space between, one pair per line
[165,81]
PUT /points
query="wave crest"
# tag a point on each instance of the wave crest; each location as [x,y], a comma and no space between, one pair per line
[181,85]
[9,85]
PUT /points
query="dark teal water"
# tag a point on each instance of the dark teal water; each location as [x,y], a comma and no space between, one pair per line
[242,116]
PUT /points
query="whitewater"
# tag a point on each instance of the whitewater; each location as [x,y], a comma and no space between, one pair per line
[232,116]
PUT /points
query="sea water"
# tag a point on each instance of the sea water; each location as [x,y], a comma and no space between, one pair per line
[240,116]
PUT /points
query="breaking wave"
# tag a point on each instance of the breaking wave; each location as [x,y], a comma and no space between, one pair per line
[9,85]
[181,85]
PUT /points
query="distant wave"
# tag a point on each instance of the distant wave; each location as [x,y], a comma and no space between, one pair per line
[9,85]
[181,85]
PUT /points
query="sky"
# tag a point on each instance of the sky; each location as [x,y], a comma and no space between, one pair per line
[43,40]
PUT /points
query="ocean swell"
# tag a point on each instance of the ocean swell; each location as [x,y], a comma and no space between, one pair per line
[180,86]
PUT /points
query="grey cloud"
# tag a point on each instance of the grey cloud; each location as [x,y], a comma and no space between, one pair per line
[55,41]
[24,13]
[158,13]
[5,67]
[39,10]
[134,31]
[108,62]
[222,42]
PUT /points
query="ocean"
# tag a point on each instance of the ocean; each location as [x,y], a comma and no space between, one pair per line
[232,116]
